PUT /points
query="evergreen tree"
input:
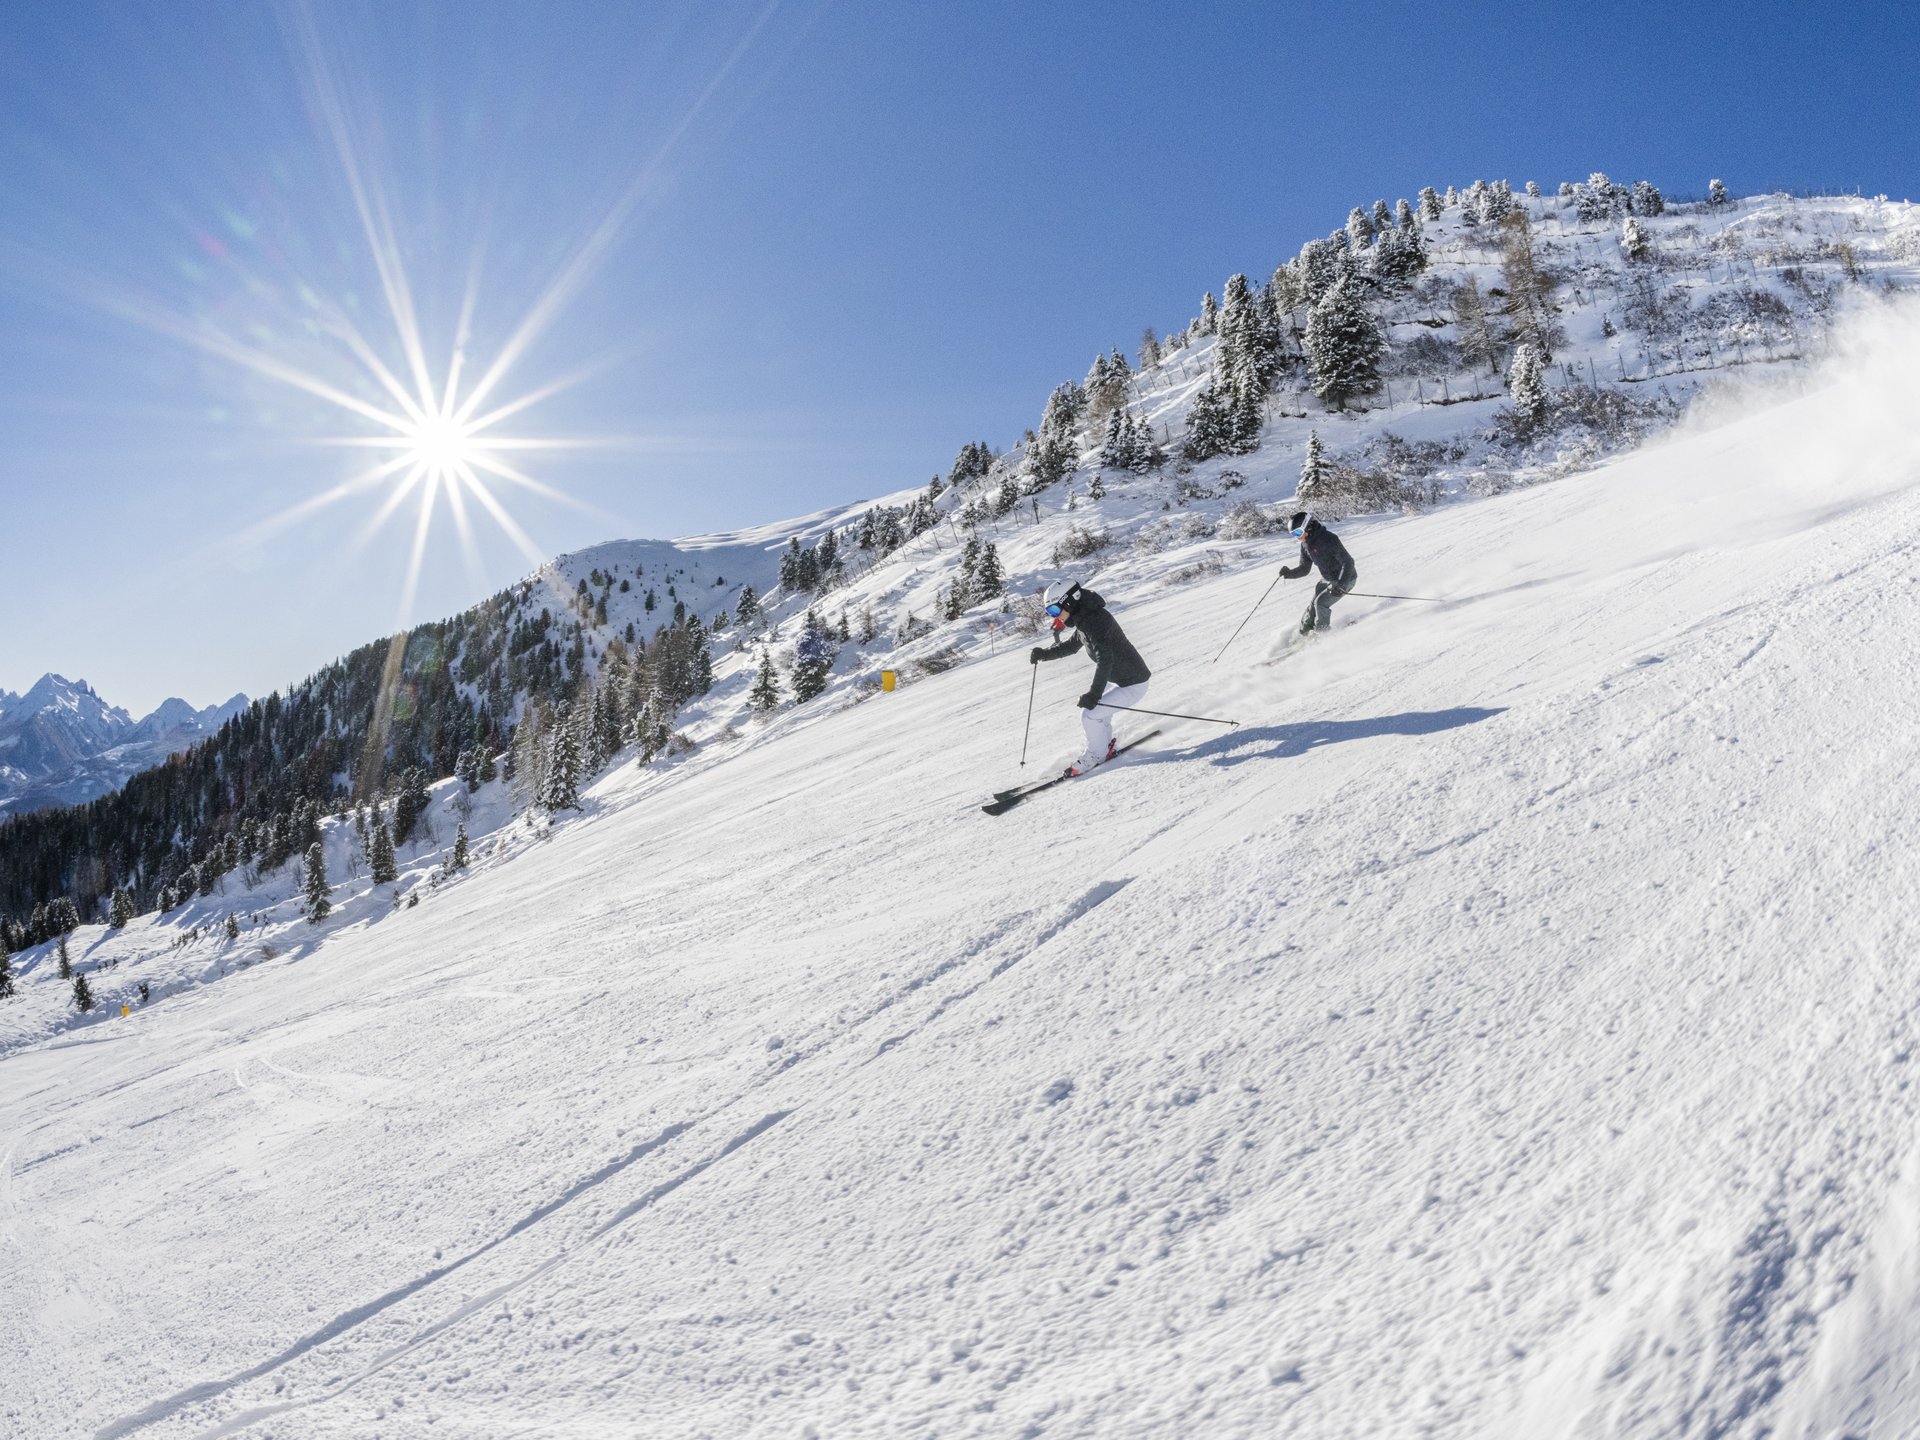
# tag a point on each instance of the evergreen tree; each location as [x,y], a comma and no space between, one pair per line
[1208,431]
[458,860]
[66,960]
[1429,203]
[1633,240]
[1117,453]
[1146,453]
[989,579]
[1646,199]
[1343,346]
[1149,351]
[1533,189]
[232,927]
[1717,194]
[317,905]
[1529,387]
[1359,229]
[1382,218]
[82,994]
[1313,471]
[63,916]
[813,658]
[563,767]
[1209,314]
[122,910]
[382,864]
[764,697]
[408,806]
[1096,490]
[1403,218]
[6,972]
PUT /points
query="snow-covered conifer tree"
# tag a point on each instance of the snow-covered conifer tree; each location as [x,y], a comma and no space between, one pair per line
[1403,217]
[1633,240]
[748,610]
[122,910]
[459,860]
[82,994]
[1343,346]
[1207,433]
[1313,471]
[989,577]
[563,766]
[1382,218]
[764,697]
[813,657]
[317,906]
[1116,452]
[1429,203]
[1646,199]
[1529,386]
[1359,229]
[1209,314]
[231,927]
[66,960]
[6,972]
[1717,194]
[1533,189]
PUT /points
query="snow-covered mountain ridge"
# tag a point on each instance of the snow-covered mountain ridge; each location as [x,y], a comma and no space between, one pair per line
[61,744]
[1506,1031]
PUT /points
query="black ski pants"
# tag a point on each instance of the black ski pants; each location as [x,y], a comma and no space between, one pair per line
[1319,614]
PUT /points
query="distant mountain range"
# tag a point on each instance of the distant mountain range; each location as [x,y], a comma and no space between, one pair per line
[61,744]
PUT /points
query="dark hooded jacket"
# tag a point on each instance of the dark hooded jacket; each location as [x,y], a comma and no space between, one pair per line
[1115,661]
[1320,548]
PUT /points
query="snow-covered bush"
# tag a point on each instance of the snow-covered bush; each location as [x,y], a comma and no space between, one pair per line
[1079,543]
[1247,521]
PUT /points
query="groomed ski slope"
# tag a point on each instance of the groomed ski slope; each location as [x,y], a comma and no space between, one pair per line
[1510,1030]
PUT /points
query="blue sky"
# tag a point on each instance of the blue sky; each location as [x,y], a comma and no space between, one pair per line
[854,236]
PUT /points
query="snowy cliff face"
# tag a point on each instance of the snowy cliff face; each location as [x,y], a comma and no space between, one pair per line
[61,744]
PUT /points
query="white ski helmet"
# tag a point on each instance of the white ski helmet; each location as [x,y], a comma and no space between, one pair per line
[1058,591]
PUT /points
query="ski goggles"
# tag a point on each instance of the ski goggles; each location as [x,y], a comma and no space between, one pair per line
[1055,611]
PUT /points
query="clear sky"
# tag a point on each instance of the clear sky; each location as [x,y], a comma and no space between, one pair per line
[787,255]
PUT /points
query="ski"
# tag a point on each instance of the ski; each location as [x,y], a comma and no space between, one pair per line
[1005,800]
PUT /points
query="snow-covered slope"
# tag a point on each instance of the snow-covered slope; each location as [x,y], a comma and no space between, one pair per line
[1505,1031]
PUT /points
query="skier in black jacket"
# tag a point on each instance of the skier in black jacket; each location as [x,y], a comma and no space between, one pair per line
[1115,663]
[1321,548]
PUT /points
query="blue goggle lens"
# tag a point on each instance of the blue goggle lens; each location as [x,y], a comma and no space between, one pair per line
[1053,610]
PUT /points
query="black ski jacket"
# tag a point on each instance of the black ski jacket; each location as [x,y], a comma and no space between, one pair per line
[1115,661]
[1320,547]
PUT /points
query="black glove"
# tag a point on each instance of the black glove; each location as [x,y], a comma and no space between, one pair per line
[1036,655]
[1087,702]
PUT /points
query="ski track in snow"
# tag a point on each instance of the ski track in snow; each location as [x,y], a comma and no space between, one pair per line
[1508,1031]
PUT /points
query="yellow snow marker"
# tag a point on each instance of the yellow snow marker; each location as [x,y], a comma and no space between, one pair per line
[125,1010]
[887,679]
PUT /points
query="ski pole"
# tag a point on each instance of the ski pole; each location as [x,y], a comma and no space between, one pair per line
[1029,730]
[1168,714]
[1243,624]
[1370,595]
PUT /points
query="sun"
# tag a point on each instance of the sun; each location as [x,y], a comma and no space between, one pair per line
[441,445]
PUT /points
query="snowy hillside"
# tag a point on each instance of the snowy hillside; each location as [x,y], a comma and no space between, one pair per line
[1505,1031]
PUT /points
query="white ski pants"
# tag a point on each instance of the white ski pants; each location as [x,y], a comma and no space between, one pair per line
[1098,722]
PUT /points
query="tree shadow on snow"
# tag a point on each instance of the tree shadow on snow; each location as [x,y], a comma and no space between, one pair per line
[1285,742]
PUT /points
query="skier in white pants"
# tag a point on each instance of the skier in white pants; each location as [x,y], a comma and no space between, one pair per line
[1116,663]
